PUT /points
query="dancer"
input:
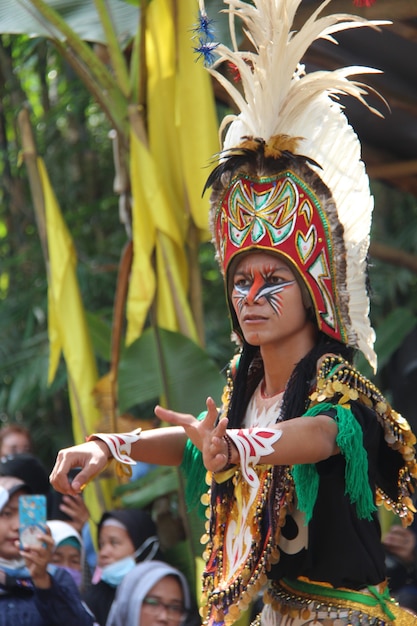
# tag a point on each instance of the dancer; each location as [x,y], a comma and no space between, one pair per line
[304,447]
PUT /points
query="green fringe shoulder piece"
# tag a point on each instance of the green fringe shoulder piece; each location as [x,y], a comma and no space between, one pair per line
[350,442]
[339,384]
[193,468]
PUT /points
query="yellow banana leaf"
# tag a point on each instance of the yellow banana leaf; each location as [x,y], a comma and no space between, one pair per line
[142,280]
[68,332]
[173,309]
[163,197]
[197,118]
[161,119]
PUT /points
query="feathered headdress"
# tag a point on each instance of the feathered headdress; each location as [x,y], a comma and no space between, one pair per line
[290,177]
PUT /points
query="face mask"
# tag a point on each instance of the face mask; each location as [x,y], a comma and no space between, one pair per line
[75,574]
[150,541]
[14,567]
[97,575]
[114,573]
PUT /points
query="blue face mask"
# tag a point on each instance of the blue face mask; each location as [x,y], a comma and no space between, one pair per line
[114,573]
[17,572]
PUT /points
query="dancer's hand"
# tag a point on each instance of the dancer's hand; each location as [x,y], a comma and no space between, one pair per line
[205,434]
[92,457]
[216,454]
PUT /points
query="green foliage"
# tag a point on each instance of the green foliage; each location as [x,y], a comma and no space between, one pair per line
[393,286]
[392,331]
[394,223]
[216,316]
[141,492]
[72,135]
[21,17]
[166,364]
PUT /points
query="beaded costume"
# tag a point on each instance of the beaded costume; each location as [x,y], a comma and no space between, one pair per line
[260,518]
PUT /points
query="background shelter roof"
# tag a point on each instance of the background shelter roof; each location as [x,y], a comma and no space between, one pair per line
[389,144]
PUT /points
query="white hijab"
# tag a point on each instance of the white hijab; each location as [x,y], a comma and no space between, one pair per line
[61,530]
[127,605]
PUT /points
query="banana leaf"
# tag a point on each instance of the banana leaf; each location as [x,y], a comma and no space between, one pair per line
[140,493]
[21,18]
[166,364]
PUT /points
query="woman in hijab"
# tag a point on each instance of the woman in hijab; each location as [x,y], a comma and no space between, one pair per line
[152,593]
[68,551]
[125,537]
[32,593]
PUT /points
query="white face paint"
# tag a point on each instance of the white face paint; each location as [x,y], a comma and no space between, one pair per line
[257,284]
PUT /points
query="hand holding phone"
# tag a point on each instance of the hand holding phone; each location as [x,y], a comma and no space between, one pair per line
[32,520]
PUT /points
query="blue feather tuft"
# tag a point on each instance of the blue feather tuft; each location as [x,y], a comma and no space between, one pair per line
[206,50]
[205,27]
[206,45]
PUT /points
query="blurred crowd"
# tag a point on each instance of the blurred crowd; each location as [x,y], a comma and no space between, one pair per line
[120,576]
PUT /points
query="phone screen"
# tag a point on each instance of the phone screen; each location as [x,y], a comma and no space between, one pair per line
[32,519]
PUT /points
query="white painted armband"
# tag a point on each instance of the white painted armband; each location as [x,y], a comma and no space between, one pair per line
[119,444]
[252,444]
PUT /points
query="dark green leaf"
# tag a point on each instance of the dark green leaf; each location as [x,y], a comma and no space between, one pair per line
[81,15]
[175,367]
[100,333]
[159,484]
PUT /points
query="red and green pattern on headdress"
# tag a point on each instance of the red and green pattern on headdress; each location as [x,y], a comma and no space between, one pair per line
[282,214]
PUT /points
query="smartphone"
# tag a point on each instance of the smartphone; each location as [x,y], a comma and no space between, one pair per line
[32,519]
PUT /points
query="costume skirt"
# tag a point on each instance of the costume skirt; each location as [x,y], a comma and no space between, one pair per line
[301,603]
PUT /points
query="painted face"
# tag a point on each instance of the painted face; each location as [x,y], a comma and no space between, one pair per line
[259,283]
[9,528]
[163,604]
[267,299]
[114,544]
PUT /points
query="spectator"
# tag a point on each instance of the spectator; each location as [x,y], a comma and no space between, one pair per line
[73,510]
[125,537]
[152,593]
[31,594]
[401,562]
[28,468]
[68,549]
[15,439]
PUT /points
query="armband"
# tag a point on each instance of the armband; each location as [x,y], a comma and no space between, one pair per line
[252,444]
[120,445]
